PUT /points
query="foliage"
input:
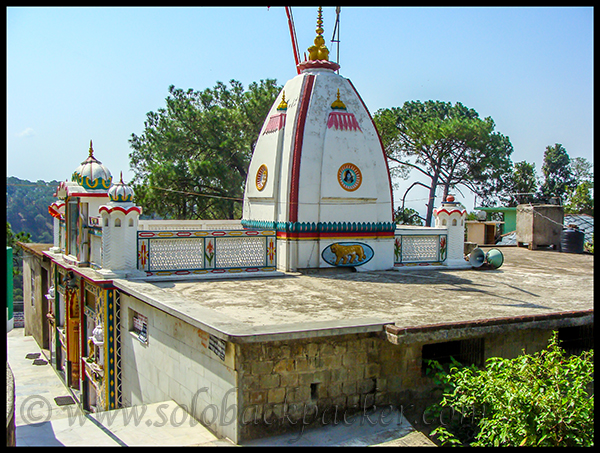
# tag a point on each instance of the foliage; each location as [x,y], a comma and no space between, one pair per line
[582,170]
[454,428]
[523,183]
[12,238]
[191,160]
[407,216]
[36,197]
[27,214]
[541,399]
[448,144]
[589,246]
[17,266]
[580,200]
[558,176]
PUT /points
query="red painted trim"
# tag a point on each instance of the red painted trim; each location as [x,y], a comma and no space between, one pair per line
[298,138]
[119,208]
[86,194]
[460,211]
[55,213]
[380,144]
[85,277]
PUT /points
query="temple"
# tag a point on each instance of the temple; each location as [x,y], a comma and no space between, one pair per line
[310,301]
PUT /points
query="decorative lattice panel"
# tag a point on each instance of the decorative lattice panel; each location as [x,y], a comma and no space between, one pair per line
[180,253]
[240,252]
[420,248]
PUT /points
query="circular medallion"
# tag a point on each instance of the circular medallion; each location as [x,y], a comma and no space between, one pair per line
[349,177]
[261,177]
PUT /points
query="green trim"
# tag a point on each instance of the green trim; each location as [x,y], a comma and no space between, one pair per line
[321,227]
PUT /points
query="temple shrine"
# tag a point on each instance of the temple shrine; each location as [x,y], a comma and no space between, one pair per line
[245,321]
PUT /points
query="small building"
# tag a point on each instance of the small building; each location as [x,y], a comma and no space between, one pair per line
[483,232]
[509,217]
[312,305]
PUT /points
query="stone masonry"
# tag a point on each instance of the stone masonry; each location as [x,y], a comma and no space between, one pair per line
[316,381]
[298,384]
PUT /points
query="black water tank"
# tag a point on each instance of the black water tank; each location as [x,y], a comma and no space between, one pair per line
[571,241]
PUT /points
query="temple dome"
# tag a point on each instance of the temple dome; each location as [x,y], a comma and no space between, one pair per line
[319,173]
[121,192]
[92,174]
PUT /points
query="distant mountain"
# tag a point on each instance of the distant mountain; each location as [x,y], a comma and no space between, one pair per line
[27,207]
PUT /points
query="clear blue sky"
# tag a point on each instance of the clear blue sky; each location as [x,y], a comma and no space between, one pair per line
[75,74]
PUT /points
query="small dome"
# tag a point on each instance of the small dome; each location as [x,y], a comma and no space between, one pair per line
[120,192]
[91,174]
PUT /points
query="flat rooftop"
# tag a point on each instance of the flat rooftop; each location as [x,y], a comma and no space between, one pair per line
[530,285]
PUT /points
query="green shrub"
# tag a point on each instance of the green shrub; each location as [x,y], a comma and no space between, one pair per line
[589,246]
[532,400]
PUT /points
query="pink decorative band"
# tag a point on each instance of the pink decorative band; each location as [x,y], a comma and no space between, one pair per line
[343,121]
[275,123]
[315,64]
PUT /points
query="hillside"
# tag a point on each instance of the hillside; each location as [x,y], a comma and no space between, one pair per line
[27,207]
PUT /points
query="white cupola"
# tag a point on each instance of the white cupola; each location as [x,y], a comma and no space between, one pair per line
[77,206]
[119,219]
[91,174]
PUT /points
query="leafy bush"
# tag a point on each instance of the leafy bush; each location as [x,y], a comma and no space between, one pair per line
[589,246]
[532,400]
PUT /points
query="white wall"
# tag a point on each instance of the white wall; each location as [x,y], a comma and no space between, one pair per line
[176,364]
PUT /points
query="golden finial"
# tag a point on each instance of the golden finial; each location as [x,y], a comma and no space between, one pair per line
[319,51]
[319,29]
[283,104]
[91,150]
[338,104]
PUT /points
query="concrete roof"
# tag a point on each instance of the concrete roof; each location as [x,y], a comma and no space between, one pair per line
[35,248]
[530,282]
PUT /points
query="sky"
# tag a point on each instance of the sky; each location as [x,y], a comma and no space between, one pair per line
[76,74]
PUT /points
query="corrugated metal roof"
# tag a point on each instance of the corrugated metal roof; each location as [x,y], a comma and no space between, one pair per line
[584,222]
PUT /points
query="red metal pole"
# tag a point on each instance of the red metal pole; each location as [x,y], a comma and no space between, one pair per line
[293,35]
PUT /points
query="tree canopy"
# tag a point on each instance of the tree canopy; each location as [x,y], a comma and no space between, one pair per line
[523,183]
[191,160]
[448,144]
[33,219]
[556,169]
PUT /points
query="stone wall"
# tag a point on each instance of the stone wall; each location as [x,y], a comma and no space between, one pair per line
[316,381]
[512,344]
[287,386]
